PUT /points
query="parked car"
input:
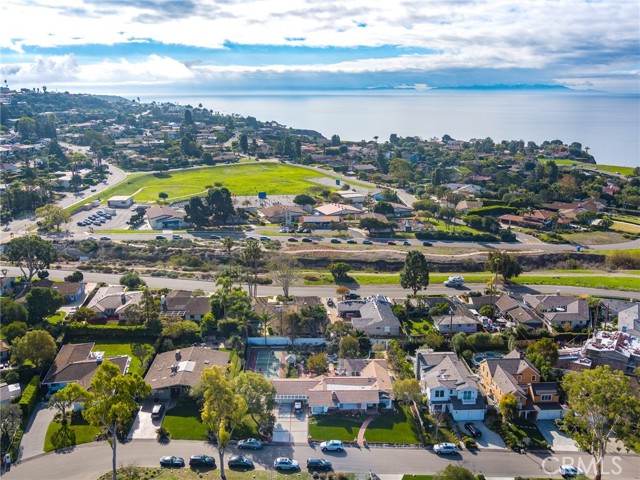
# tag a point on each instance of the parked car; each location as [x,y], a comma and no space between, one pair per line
[351,296]
[105,238]
[160,237]
[214,237]
[250,443]
[297,406]
[81,223]
[318,465]
[445,449]
[264,239]
[351,241]
[307,240]
[367,242]
[285,463]
[406,244]
[292,239]
[202,461]
[91,237]
[427,244]
[331,446]
[172,462]
[454,281]
[238,461]
[391,243]
[157,410]
[306,230]
[176,236]
[569,471]
[335,240]
[473,430]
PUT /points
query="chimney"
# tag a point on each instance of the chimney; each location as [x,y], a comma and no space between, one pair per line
[123,298]
[178,355]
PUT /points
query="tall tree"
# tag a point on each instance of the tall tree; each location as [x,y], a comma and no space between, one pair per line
[31,253]
[508,406]
[318,363]
[304,199]
[12,311]
[37,346]
[503,263]
[197,212]
[64,399]
[251,257]
[349,347]
[285,270]
[10,419]
[601,404]
[53,216]
[223,409]
[258,393]
[415,274]
[407,390]
[220,204]
[110,403]
[42,302]
[244,143]
[141,351]
[543,354]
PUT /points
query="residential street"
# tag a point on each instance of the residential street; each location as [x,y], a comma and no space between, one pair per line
[393,291]
[89,461]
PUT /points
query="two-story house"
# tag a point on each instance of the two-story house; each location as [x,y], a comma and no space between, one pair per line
[449,386]
[516,375]
[560,311]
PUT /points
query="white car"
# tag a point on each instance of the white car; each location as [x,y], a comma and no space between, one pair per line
[445,448]
[569,471]
[331,446]
[284,463]
[454,281]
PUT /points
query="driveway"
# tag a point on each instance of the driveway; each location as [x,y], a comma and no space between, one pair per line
[559,440]
[489,438]
[33,440]
[290,428]
[144,426]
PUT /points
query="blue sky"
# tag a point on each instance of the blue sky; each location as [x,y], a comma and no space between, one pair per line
[217,45]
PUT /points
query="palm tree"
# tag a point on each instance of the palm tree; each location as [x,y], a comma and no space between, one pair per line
[227,244]
[264,318]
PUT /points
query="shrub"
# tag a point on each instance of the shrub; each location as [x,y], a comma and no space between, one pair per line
[459,236]
[108,331]
[493,210]
[29,396]
[12,377]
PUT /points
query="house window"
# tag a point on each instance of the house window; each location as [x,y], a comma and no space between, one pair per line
[466,395]
[519,378]
[533,378]
[438,394]
[545,398]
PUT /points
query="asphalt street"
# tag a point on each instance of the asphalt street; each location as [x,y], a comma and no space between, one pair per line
[89,461]
[394,291]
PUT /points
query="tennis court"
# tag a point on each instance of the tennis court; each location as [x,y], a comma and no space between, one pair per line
[267,362]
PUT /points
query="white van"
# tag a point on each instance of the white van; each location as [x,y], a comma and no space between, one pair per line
[454,281]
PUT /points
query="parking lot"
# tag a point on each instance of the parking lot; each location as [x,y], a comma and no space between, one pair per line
[117,222]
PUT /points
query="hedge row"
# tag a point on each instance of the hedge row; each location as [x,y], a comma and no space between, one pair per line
[29,396]
[14,450]
[109,331]
[457,236]
[493,210]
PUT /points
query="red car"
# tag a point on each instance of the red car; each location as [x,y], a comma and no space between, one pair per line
[391,243]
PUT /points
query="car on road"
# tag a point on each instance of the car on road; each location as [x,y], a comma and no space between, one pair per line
[306,230]
[250,443]
[172,462]
[391,243]
[214,237]
[105,238]
[335,240]
[241,462]
[285,463]
[351,296]
[454,281]
[307,240]
[91,237]
[351,241]
[445,449]
[176,236]
[160,237]
[406,244]
[427,244]
[94,189]
[569,471]
[81,223]
[292,239]
[156,411]
[473,430]
[318,465]
[264,239]
[367,242]
[283,230]
[332,446]
[202,461]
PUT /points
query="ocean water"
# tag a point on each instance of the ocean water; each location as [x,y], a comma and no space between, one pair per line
[608,124]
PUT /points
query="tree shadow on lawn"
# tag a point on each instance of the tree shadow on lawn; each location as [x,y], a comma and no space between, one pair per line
[162,175]
[65,438]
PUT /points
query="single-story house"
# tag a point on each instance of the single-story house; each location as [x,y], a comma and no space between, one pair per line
[180,303]
[72,291]
[336,210]
[77,363]
[363,392]
[161,218]
[401,210]
[355,198]
[9,392]
[282,213]
[449,386]
[175,372]
[120,201]
[320,221]
[377,319]
[524,316]
[456,323]
[114,301]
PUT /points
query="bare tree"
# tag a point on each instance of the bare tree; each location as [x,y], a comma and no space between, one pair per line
[285,270]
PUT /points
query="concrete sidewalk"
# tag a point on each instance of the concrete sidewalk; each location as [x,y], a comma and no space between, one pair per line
[33,440]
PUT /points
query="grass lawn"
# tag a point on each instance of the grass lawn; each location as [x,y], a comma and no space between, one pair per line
[594,238]
[625,227]
[441,225]
[522,429]
[334,427]
[57,317]
[240,179]
[627,219]
[628,171]
[595,281]
[114,348]
[156,473]
[419,327]
[184,423]
[79,431]
[399,427]
[417,477]
[394,278]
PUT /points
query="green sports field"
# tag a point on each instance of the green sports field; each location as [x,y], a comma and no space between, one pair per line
[628,171]
[240,179]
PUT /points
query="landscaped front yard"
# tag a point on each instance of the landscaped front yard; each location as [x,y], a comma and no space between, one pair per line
[74,433]
[398,427]
[335,427]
